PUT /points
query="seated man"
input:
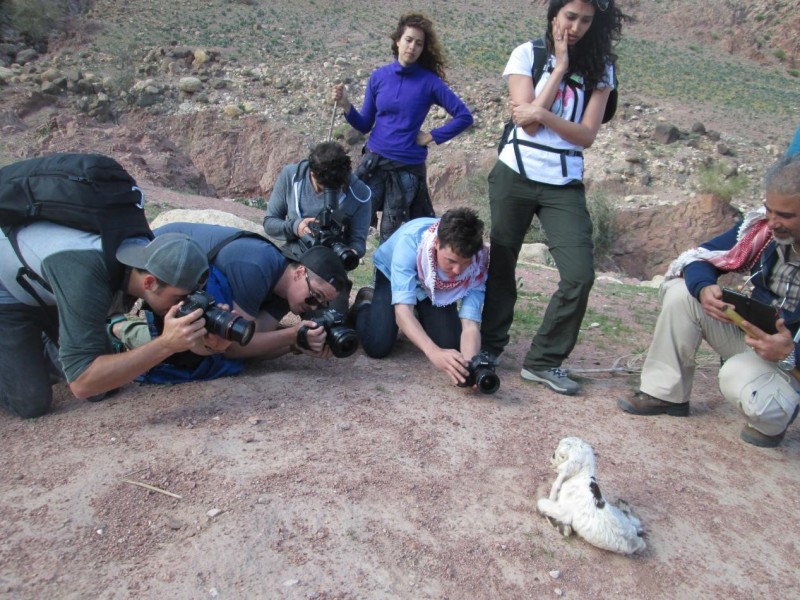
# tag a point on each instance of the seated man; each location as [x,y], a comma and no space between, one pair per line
[255,279]
[297,203]
[427,266]
[759,373]
[161,272]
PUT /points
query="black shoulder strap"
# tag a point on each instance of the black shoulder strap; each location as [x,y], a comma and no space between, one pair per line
[539,59]
[242,233]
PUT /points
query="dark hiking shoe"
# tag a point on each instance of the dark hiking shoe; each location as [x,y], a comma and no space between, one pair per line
[753,436]
[555,378]
[645,405]
[363,298]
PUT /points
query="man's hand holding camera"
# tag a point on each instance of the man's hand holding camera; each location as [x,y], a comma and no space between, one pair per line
[304,227]
[182,333]
[312,339]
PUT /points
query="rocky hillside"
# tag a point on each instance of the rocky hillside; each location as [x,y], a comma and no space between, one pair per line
[214,98]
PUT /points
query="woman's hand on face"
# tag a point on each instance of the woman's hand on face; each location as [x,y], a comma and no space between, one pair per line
[562,45]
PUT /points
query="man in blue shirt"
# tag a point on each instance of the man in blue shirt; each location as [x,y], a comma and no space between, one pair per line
[422,271]
[259,283]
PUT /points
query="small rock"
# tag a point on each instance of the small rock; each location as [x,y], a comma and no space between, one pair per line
[558,592]
[253,420]
[214,512]
[555,574]
[291,582]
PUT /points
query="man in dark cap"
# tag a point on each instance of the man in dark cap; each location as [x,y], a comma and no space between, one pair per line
[62,334]
[260,283]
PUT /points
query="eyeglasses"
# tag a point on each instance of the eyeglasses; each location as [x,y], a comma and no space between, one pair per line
[312,299]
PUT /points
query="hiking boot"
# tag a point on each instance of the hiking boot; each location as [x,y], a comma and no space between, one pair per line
[645,405]
[556,378]
[751,435]
[363,298]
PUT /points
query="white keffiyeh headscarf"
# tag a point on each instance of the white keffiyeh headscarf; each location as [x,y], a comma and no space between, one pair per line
[446,291]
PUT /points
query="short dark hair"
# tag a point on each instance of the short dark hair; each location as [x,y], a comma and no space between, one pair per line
[784,176]
[461,230]
[330,164]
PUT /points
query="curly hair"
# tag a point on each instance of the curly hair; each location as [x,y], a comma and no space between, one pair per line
[432,57]
[330,164]
[595,49]
[461,230]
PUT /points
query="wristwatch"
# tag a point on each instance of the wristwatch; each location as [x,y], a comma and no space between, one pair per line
[787,363]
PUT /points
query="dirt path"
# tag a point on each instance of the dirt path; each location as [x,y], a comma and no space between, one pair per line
[357,478]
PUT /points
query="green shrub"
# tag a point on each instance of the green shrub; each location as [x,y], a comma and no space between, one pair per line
[779,54]
[38,18]
[604,228]
[717,180]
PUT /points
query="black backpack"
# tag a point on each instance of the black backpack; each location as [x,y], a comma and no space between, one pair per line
[540,56]
[90,192]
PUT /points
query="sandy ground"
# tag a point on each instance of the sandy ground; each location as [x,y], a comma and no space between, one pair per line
[360,478]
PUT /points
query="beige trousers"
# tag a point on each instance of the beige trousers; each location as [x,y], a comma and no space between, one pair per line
[762,393]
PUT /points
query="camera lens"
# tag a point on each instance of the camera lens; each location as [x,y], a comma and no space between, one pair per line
[343,341]
[487,381]
[347,255]
[229,326]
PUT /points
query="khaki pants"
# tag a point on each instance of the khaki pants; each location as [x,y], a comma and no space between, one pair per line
[762,393]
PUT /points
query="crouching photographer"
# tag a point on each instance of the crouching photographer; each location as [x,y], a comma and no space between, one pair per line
[429,283]
[319,202]
[260,284]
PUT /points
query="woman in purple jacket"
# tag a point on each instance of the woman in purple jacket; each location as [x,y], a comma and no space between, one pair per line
[396,102]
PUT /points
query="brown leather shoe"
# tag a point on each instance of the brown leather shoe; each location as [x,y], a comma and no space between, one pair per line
[642,404]
[762,440]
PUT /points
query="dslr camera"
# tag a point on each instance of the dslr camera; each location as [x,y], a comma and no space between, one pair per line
[221,322]
[482,374]
[329,231]
[342,340]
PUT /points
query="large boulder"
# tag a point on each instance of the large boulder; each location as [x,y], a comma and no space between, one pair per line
[209,216]
[652,237]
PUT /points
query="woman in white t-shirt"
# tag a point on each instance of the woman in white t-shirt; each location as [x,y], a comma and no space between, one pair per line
[540,172]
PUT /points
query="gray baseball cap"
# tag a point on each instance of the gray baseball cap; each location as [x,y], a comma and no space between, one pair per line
[173,258]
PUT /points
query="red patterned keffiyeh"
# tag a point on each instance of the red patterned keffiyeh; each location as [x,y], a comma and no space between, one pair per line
[751,239]
[446,291]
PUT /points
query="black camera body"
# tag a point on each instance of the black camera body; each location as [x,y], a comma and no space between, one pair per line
[482,373]
[329,230]
[221,322]
[341,339]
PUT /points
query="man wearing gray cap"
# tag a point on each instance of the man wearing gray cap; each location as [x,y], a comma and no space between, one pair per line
[62,333]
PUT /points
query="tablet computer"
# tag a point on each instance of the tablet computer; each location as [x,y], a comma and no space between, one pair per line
[759,314]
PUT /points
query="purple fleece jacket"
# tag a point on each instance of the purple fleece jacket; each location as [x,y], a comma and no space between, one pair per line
[396,102]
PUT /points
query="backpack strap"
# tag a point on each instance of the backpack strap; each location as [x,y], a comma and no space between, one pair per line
[242,233]
[540,56]
[26,274]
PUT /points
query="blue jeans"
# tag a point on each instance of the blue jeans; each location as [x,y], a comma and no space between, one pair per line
[26,366]
[377,328]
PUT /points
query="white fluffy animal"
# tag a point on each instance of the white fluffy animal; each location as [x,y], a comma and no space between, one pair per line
[576,504]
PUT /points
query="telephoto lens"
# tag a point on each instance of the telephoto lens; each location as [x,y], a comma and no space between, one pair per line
[221,322]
